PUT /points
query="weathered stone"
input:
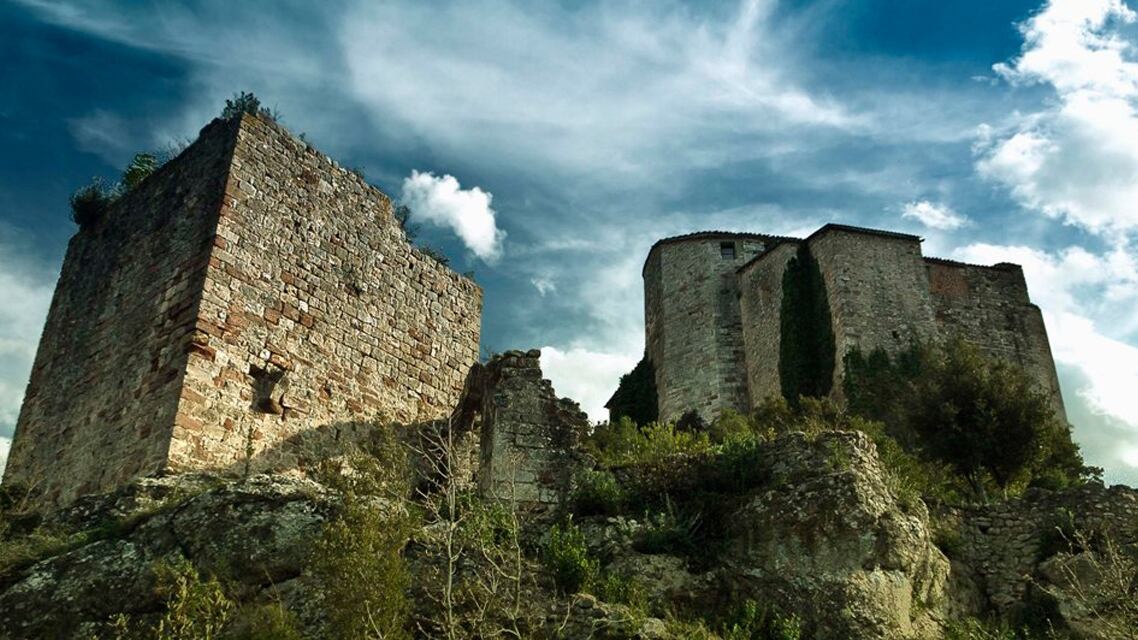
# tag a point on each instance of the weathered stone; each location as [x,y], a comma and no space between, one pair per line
[836,547]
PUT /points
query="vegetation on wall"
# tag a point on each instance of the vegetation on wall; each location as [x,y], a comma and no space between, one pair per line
[635,396]
[806,349]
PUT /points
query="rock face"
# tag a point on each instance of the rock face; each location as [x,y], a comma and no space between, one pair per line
[259,530]
[831,542]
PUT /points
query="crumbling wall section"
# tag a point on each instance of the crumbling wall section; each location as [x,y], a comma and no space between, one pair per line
[105,385]
[529,437]
[316,311]
[1005,543]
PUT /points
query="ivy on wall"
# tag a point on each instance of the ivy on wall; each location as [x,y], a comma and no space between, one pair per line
[806,351]
[635,396]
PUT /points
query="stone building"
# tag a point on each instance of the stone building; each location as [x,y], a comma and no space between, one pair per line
[248,291]
[714,313]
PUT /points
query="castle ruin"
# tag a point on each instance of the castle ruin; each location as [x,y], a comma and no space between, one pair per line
[714,311]
[248,291]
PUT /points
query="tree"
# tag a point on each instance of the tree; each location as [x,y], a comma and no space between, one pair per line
[986,418]
[806,351]
[635,396]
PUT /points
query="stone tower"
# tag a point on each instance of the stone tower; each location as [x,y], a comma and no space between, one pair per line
[714,312]
[248,292]
[692,320]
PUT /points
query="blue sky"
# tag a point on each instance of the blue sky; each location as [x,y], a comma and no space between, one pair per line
[577,133]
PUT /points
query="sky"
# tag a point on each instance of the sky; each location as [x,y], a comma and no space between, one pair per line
[546,146]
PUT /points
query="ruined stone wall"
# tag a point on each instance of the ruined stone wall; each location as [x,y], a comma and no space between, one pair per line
[529,438]
[105,385]
[694,327]
[316,311]
[877,288]
[989,308]
[1004,543]
[760,288]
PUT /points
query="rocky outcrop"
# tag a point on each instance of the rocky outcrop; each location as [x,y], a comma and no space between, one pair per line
[256,532]
[830,541]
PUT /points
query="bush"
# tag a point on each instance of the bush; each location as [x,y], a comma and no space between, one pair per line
[668,531]
[247,102]
[566,557]
[597,493]
[90,203]
[623,442]
[140,168]
[196,607]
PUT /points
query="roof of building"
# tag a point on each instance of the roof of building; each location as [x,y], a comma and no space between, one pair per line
[833,226]
[955,263]
[707,235]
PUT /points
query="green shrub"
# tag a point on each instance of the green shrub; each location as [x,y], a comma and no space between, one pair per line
[247,102]
[90,203]
[623,443]
[140,168]
[597,493]
[361,574]
[668,531]
[196,608]
[621,589]
[566,557]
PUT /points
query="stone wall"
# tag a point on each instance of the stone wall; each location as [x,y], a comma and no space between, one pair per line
[247,293]
[315,310]
[1005,543]
[989,308]
[760,288]
[108,372]
[693,325]
[529,436]
[877,288]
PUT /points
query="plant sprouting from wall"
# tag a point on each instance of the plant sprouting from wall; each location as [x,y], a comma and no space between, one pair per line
[247,102]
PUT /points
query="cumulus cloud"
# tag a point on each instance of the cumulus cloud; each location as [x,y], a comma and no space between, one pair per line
[1077,158]
[442,201]
[5,447]
[935,216]
[1106,368]
[589,377]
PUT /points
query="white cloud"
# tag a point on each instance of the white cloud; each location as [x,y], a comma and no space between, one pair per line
[442,201]
[1077,158]
[543,285]
[935,216]
[1061,284]
[5,447]
[25,293]
[589,377]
